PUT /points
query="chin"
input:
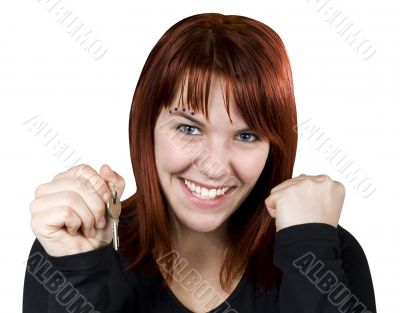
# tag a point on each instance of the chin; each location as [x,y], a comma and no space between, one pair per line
[201,224]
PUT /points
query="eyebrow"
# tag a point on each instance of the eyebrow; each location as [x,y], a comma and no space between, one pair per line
[196,121]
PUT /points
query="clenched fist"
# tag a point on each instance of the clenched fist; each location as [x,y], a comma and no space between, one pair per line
[306,199]
[68,214]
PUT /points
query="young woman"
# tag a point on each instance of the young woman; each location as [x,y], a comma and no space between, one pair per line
[217,224]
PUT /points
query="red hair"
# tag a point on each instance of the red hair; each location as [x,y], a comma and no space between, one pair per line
[252,59]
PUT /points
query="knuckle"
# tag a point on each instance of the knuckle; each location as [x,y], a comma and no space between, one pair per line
[33,224]
[32,206]
[58,175]
[39,190]
[80,169]
[72,198]
[88,221]
[97,218]
[97,211]
[99,184]
[339,186]
[66,212]
[81,166]
[83,169]
[324,177]
[82,183]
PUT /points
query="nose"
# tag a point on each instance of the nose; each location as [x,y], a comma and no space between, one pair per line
[215,162]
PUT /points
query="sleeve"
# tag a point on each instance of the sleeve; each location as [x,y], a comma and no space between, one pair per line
[317,276]
[84,282]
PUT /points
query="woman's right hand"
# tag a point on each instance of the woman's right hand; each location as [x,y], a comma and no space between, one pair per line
[68,214]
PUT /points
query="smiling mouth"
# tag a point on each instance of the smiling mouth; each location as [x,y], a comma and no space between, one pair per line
[202,192]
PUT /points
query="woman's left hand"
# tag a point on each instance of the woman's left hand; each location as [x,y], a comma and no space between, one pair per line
[306,199]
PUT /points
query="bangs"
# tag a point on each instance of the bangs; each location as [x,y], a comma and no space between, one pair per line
[193,88]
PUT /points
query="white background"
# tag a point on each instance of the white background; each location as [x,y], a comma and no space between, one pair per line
[45,73]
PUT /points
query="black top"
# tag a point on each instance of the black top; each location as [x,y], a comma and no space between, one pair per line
[324,270]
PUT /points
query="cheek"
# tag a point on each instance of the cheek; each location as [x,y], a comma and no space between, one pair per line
[250,165]
[170,153]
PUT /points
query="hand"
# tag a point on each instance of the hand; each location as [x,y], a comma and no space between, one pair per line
[68,214]
[306,199]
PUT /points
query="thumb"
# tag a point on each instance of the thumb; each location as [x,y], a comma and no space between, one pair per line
[271,205]
[117,180]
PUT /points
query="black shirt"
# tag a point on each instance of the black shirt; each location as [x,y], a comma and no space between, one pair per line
[324,270]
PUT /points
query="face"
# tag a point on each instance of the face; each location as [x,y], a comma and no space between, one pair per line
[209,155]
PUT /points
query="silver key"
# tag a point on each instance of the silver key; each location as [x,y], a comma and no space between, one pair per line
[114,209]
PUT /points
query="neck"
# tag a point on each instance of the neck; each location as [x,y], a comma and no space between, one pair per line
[202,250]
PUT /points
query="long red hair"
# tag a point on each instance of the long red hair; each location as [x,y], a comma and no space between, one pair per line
[252,59]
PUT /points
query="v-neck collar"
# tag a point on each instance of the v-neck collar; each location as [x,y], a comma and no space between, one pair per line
[226,302]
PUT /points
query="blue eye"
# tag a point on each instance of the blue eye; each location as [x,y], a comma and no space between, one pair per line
[248,134]
[187,126]
[188,129]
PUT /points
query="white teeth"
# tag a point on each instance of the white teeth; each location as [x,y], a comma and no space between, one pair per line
[212,193]
[205,193]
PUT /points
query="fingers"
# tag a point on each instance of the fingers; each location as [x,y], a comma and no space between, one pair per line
[55,218]
[277,194]
[79,191]
[85,171]
[83,188]
[72,201]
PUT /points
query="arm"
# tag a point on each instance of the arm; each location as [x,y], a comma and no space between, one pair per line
[84,282]
[318,277]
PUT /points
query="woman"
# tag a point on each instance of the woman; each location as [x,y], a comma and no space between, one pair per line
[217,224]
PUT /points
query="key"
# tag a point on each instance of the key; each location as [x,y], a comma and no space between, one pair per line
[114,209]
